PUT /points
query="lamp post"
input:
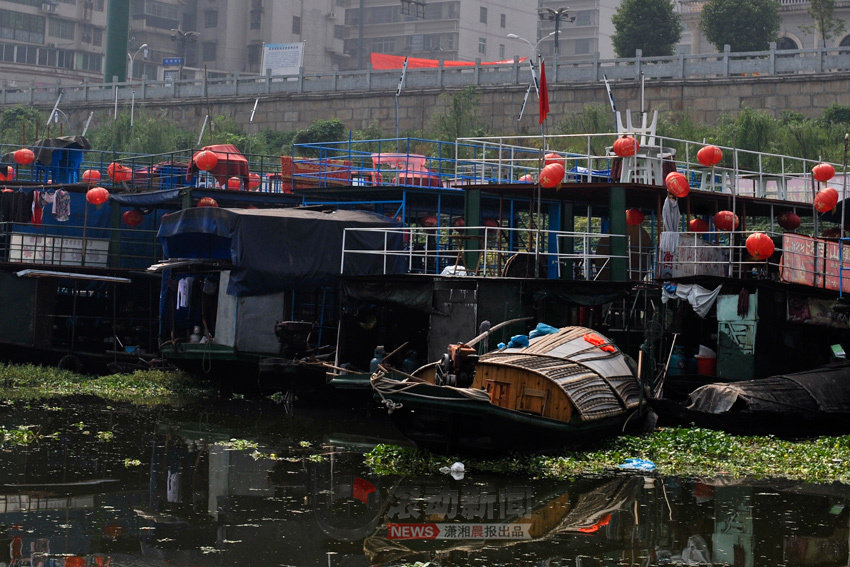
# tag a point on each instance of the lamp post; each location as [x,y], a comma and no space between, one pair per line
[142,48]
[183,36]
[535,54]
[556,15]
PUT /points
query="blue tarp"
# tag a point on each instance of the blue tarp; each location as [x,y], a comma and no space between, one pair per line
[274,250]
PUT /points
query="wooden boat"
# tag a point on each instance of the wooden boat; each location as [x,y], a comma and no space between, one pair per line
[566,389]
[798,404]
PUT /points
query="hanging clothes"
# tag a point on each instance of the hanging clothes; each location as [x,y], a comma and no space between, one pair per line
[62,205]
[184,292]
[36,208]
[670,215]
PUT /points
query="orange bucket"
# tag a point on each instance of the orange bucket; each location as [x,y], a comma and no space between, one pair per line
[706,366]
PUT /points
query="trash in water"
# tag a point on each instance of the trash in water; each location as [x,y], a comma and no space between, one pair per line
[456,470]
[637,465]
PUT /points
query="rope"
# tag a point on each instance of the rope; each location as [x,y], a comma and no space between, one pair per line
[385,386]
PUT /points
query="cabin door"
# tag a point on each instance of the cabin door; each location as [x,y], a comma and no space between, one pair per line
[455,316]
[736,336]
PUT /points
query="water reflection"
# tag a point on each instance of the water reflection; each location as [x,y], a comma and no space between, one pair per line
[199,498]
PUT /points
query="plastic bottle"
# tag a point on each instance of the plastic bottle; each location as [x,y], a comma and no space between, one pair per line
[377,359]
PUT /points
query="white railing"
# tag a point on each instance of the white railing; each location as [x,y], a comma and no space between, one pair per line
[488,252]
[588,157]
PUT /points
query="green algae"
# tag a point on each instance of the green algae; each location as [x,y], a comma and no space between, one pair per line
[679,451]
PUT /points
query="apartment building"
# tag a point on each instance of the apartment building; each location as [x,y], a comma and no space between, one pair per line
[454,30]
[793,32]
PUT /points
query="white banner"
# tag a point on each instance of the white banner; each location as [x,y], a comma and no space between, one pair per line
[283,58]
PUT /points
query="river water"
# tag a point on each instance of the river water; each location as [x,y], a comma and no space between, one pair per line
[244,482]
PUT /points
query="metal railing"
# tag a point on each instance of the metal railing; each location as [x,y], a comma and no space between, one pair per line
[588,157]
[703,66]
[494,251]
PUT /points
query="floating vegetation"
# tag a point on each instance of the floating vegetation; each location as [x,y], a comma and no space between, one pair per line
[688,452]
[238,444]
[29,382]
[128,463]
[105,436]
[23,435]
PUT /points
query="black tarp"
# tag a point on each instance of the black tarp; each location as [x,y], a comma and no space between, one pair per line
[43,148]
[274,250]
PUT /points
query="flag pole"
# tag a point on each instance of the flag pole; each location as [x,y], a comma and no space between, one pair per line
[543,93]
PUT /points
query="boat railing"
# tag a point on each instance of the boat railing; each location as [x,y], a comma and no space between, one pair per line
[74,245]
[488,252]
[589,157]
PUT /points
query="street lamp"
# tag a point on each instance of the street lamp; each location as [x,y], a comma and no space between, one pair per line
[535,53]
[142,47]
[556,16]
[184,36]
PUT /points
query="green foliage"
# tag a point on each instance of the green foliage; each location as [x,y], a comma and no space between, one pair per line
[148,387]
[754,130]
[459,116]
[824,22]
[836,114]
[332,130]
[19,124]
[652,26]
[744,25]
[687,452]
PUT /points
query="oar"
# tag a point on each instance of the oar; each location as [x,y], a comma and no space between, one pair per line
[474,341]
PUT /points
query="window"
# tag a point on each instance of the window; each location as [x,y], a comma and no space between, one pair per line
[255,52]
[454,10]
[90,61]
[256,18]
[26,54]
[296,25]
[97,36]
[584,18]
[483,15]
[582,46]
[65,58]
[339,32]
[208,51]
[22,27]
[482,45]
[501,51]
[61,28]
[383,44]
[503,20]
[98,5]
[211,19]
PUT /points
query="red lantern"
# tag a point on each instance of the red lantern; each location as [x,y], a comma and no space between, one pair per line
[789,221]
[551,175]
[97,195]
[760,246]
[24,156]
[553,158]
[823,172]
[207,202]
[491,223]
[634,217]
[726,220]
[709,156]
[626,146]
[133,217]
[459,222]
[677,184]
[826,199]
[697,225]
[8,173]
[234,183]
[119,173]
[527,178]
[429,221]
[91,176]
[205,160]
[253,181]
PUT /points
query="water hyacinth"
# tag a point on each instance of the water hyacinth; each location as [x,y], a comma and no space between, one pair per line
[679,451]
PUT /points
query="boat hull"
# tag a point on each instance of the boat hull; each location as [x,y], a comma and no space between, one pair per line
[445,421]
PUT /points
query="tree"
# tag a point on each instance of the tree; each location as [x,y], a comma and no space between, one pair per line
[459,117]
[19,124]
[825,24]
[744,25]
[652,26]
[332,130]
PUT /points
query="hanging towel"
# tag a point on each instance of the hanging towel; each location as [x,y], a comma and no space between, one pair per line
[62,205]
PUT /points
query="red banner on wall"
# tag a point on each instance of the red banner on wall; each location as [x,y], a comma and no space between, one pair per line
[814,262]
[384,61]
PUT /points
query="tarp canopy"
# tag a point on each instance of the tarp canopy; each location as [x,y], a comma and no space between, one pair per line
[44,148]
[274,250]
[231,163]
[384,61]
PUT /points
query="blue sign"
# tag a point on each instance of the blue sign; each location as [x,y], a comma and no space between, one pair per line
[172,61]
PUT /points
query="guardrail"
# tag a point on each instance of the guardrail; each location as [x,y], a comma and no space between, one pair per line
[702,66]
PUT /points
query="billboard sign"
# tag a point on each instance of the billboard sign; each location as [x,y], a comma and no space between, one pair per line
[283,58]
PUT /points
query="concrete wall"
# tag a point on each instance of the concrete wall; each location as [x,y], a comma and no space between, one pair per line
[703,100]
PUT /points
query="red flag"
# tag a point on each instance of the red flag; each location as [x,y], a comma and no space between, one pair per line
[544,93]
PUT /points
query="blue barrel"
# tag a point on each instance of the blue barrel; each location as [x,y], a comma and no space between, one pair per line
[678,362]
